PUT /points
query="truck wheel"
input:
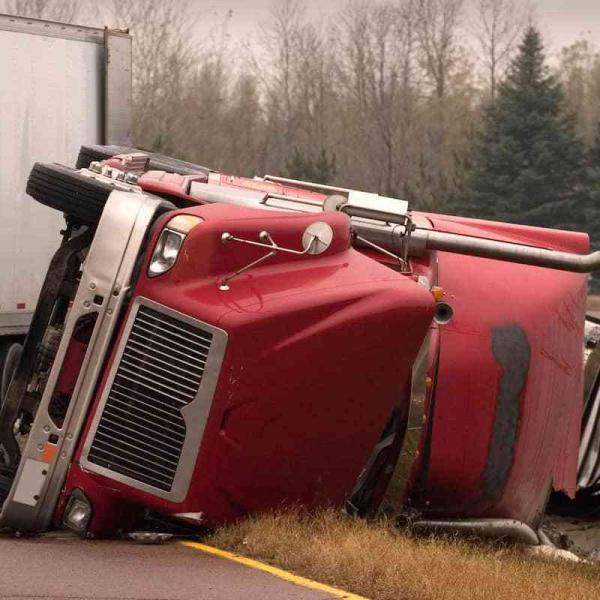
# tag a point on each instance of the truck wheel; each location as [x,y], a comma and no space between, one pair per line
[64,189]
[10,354]
[157,162]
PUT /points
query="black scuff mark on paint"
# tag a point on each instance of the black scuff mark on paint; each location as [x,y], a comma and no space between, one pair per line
[511,349]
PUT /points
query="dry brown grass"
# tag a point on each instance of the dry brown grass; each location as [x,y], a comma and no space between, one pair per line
[593,302]
[378,561]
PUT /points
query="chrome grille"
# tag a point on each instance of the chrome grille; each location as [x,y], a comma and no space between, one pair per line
[141,431]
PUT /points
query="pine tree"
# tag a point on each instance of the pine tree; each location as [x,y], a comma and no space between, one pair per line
[532,167]
[594,151]
[303,166]
[592,214]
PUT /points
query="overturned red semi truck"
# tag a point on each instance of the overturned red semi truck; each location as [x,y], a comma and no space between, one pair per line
[208,346]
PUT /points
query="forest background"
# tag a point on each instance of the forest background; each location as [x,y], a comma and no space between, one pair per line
[453,105]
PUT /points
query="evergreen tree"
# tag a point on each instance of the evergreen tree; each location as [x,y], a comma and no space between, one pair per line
[303,166]
[594,152]
[532,167]
[592,214]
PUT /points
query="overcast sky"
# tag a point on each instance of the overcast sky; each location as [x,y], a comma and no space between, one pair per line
[561,21]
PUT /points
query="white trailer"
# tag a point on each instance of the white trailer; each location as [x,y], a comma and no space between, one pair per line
[61,86]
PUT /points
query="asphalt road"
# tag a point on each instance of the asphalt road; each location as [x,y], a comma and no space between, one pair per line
[50,568]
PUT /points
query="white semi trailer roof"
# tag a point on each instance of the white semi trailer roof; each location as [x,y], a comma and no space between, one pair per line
[61,86]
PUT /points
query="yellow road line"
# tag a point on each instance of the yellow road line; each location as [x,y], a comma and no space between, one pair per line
[286,575]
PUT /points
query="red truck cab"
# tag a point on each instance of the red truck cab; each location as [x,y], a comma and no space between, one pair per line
[230,346]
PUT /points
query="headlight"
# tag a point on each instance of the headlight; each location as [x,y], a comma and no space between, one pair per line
[170,242]
[78,513]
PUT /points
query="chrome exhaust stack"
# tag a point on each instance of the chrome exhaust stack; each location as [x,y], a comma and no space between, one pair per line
[429,239]
[386,224]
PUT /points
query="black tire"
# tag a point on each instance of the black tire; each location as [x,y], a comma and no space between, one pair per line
[64,189]
[157,162]
[10,355]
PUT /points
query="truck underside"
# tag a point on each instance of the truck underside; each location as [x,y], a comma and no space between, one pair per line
[208,346]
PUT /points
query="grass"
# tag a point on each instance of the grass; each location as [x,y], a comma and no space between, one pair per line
[593,302]
[381,562]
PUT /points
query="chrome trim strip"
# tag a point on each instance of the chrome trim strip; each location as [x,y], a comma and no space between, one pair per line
[107,272]
[395,496]
[195,414]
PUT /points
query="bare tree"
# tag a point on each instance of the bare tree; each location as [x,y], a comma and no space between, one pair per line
[164,54]
[280,41]
[65,11]
[579,71]
[498,27]
[204,110]
[446,109]
[437,29]
[243,128]
[376,68]
[297,86]
[384,87]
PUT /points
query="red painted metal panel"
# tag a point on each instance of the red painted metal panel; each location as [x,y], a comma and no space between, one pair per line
[507,317]
[319,351]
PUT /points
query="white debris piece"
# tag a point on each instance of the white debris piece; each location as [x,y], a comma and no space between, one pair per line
[544,551]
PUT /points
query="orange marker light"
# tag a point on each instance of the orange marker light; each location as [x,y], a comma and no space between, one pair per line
[437,292]
[49,452]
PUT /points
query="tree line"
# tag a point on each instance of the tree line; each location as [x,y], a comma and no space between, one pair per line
[449,104]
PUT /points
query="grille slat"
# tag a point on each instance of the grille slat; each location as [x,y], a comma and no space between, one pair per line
[187,339]
[190,368]
[137,404]
[123,467]
[141,431]
[127,458]
[166,338]
[115,421]
[150,320]
[139,398]
[139,357]
[148,383]
[159,430]
[168,380]
[136,450]
[179,353]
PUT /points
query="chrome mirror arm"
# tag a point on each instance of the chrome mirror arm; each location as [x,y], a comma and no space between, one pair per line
[224,283]
[366,242]
[267,242]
